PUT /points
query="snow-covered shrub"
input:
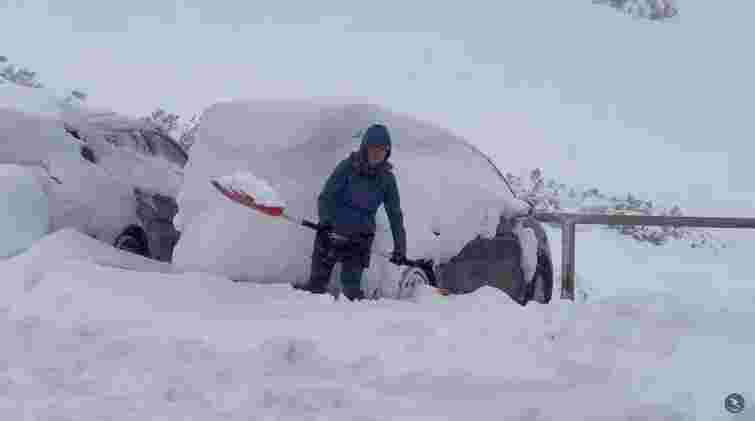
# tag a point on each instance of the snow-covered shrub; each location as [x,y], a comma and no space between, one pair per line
[646,9]
[551,196]
[24,77]
[20,76]
[170,124]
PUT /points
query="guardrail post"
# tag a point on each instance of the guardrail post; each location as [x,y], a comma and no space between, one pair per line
[569,220]
[567,259]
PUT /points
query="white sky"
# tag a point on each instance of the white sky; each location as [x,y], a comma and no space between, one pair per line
[585,85]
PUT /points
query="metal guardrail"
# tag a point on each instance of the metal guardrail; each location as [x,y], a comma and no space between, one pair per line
[568,221]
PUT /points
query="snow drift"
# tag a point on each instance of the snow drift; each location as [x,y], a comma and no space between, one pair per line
[446,186]
[91,331]
[70,244]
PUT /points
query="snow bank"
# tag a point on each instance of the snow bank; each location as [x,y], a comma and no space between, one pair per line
[444,183]
[26,269]
[120,341]
[80,329]
[24,209]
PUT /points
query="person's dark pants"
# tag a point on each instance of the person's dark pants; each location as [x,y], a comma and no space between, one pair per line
[354,257]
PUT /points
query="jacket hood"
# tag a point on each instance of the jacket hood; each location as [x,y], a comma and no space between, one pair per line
[376,134]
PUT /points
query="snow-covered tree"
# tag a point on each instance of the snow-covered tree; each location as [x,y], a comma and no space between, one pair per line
[81,96]
[20,76]
[25,77]
[163,121]
[170,124]
[188,132]
[647,9]
[550,196]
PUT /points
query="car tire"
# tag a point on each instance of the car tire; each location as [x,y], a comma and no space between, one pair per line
[411,278]
[134,240]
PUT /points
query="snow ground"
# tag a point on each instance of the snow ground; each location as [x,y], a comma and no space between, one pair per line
[90,332]
[92,341]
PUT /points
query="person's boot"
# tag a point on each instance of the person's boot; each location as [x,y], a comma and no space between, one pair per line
[314,289]
[354,294]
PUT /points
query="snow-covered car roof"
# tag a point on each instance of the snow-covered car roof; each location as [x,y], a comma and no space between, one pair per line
[124,131]
[78,118]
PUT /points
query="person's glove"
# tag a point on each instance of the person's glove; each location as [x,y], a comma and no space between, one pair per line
[397,258]
[325,228]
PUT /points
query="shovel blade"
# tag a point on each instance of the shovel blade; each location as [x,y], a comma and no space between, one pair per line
[245,199]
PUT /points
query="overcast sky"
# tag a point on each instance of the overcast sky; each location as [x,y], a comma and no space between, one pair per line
[594,91]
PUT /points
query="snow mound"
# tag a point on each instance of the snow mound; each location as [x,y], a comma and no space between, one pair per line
[95,331]
[445,184]
[24,209]
[26,269]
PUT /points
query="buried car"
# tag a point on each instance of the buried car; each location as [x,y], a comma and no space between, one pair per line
[458,208]
[101,173]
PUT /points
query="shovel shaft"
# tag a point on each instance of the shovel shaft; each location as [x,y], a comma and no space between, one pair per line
[315,226]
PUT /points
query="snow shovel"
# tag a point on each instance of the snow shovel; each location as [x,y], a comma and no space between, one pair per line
[278,211]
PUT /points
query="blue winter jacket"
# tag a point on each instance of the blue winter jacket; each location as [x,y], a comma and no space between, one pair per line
[354,192]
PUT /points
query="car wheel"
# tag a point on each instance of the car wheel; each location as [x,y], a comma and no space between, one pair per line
[134,240]
[411,278]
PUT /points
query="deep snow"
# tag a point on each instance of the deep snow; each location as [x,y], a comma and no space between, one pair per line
[92,340]
[90,332]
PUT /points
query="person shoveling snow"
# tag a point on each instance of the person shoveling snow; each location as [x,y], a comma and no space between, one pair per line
[347,206]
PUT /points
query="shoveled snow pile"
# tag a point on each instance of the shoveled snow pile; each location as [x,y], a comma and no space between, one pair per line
[445,185]
[24,209]
[89,340]
[26,269]
[93,341]
[247,183]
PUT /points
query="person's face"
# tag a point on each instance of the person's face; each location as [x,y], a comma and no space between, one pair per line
[376,154]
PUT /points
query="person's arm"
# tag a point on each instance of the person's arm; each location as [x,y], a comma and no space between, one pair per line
[395,215]
[326,201]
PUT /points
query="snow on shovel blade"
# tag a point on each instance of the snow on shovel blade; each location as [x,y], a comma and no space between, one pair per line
[247,190]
